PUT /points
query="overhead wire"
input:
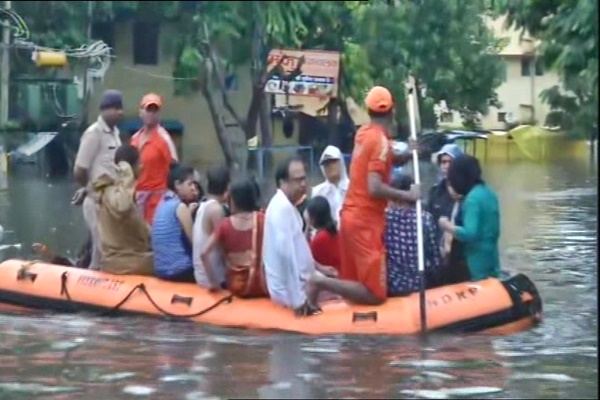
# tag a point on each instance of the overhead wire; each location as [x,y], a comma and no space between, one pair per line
[97,51]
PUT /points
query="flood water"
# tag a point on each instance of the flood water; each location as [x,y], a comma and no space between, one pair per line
[549,232]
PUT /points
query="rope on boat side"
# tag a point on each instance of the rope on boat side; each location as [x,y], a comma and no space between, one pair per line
[225,300]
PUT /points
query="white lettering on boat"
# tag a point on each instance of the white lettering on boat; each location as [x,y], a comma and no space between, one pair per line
[101,283]
[447,298]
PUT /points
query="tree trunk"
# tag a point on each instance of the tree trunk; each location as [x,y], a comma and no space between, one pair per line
[332,122]
[253,113]
[266,128]
[220,129]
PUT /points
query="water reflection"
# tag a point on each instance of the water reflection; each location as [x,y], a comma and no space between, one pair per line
[549,219]
[104,358]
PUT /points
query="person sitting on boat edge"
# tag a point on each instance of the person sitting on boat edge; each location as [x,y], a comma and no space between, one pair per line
[362,220]
[239,237]
[333,168]
[209,216]
[124,235]
[287,258]
[324,245]
[172,227]
[157,152]
[480,229]
[401,243]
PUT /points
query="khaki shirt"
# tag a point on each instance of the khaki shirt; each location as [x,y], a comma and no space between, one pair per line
[124,235]
[97,148]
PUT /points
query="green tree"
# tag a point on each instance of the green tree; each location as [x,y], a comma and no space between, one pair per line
[446,46]
[568,31]
[217,37]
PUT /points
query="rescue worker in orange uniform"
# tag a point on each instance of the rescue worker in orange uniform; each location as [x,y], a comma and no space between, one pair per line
[363,274]
[157,152]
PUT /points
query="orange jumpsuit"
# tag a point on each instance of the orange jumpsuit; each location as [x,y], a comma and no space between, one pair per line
[362,219]
[156,155]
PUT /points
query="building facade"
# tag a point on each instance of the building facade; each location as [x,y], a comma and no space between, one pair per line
[144,59]
[524,81]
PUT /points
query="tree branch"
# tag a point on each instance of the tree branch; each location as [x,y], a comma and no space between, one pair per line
[220,79]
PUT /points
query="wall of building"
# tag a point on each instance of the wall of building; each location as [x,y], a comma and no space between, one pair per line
[200,145]
[519,94]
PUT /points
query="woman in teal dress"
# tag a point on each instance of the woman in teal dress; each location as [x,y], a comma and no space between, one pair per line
[480,228]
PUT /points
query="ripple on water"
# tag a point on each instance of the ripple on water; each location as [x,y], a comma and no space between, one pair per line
[35,388]
[138,390]
[543,377]
[453,392]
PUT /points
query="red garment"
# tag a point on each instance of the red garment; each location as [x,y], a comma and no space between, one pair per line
[156,155]
[243,257]
[233,241]
[325,249]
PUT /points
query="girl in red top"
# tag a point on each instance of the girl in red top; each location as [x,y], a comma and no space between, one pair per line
[325,246]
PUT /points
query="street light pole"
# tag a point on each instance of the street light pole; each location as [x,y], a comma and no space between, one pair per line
[5,78]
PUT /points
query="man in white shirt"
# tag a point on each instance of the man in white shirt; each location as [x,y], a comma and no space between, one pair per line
[287,256]
[336,181]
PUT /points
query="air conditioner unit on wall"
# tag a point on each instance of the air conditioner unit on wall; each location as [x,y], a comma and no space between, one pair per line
[510,117]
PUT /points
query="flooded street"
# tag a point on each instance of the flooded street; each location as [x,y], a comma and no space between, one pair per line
[549,232]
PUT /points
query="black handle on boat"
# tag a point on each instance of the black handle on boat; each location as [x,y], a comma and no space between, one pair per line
[24,274]
[366,316]
[182,299]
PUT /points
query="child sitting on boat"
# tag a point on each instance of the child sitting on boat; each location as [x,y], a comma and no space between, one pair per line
[324,245]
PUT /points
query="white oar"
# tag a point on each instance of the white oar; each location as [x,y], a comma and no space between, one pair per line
[415,156]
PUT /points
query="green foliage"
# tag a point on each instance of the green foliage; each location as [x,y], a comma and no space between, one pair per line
[445,45]
[569,34]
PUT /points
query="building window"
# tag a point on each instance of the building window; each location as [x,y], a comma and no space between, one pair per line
[447,118]
[539,67]
[145,43]
[501,117]
[526,67]
[105,31]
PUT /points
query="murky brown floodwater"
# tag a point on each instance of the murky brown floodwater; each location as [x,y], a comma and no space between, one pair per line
[549,219]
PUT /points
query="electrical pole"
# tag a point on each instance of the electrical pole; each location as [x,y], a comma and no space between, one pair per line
[85,99]
[5,78]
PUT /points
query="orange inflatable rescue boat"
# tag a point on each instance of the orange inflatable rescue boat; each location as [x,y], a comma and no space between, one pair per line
[492,305]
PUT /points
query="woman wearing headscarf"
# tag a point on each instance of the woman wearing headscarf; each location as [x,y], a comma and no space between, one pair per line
[441,204]
[439,201]
[480,228]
